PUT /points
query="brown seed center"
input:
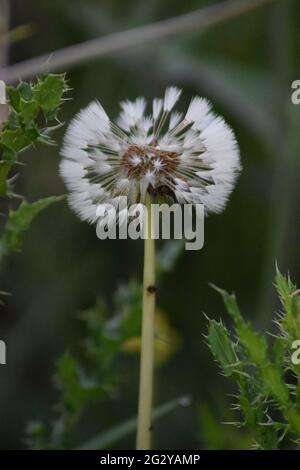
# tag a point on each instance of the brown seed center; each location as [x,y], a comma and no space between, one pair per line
[137,160]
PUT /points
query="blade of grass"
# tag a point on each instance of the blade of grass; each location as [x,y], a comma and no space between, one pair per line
[113,435]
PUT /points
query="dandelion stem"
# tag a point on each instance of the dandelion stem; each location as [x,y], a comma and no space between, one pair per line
[147,349]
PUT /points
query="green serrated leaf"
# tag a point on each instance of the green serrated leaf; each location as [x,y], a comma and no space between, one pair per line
[279,351]
[32,133]
[222,346]
[19,221]
[254,343]
[289,321]
[285,288]
[230,304]
[4,169]
[25,91]
[248,410]
[268,437]
[48,92]
[273,380]
[293,417]
[76,389]
[13,97]
[13,121]
[15,139]
[8,158]
[29,110]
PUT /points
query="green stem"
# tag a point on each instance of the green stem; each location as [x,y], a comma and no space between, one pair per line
[147,346]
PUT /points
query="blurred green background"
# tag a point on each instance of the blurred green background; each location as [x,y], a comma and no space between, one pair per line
[245,66]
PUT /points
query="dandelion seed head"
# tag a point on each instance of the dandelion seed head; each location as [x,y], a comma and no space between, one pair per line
[191,159]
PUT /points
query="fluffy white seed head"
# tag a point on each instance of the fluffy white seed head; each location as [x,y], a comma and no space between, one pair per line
[194,159]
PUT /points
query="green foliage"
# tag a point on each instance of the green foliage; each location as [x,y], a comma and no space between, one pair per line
[19,221]
[31,108]
[267,380]
[107,333]
[224,348]
[28,106]
[93,376]
[213,434]
[37,438]
[48,94]
[76,388]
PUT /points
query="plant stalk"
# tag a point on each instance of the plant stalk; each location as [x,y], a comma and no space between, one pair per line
[144,424]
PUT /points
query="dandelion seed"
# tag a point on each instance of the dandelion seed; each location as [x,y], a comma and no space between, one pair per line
[172,95]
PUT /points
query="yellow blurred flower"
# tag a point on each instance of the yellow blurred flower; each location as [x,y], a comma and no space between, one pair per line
[167,340]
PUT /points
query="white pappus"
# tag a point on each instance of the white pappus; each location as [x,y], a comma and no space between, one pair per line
[186,158]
